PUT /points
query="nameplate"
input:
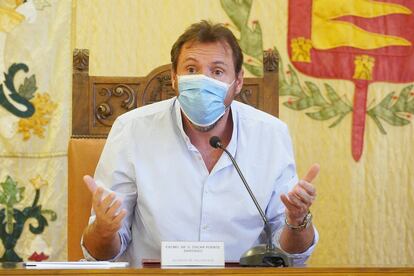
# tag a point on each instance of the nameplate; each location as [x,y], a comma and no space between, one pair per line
[192,254]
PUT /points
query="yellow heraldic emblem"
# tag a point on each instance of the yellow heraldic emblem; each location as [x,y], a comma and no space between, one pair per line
[301,49]
[329,32]
[363,67]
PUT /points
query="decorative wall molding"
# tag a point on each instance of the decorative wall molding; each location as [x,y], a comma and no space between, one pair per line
[81,60]
[270,61]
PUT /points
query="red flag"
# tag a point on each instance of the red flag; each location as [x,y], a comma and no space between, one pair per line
[357,40]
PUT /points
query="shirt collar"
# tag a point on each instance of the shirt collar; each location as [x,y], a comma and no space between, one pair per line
[177,120]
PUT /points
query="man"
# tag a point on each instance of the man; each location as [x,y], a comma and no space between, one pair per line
[170,184]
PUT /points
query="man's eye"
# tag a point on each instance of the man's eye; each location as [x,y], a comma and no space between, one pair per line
[218,72]
[191,70]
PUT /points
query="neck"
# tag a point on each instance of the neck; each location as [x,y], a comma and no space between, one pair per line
[223,128]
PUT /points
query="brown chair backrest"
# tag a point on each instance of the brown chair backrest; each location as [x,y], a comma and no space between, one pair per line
[98,100]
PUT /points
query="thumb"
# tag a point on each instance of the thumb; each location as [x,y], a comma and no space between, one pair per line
[90,183]
[312,173]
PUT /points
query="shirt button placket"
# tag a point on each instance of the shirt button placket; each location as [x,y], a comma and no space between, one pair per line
[204,223]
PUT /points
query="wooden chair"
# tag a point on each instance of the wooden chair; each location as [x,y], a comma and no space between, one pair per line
[98,100]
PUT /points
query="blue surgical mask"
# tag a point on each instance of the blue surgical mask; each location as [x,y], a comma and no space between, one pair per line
[202,98]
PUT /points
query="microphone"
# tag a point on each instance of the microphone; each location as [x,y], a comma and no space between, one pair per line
[265,255]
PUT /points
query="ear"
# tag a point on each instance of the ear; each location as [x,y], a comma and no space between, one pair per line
[174,81]
[239,81]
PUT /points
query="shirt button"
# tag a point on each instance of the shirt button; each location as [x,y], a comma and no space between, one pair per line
[205,227]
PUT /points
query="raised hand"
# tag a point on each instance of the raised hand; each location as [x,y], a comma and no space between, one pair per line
[108,217]
[301,197]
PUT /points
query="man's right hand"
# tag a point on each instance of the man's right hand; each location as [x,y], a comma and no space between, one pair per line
[108,219]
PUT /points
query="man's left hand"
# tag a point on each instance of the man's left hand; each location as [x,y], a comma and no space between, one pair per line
[301,197]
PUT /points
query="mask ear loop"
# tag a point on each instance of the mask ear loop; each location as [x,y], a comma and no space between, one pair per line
[228,87]
[231,84]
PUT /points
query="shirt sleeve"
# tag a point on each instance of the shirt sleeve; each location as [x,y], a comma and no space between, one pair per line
[300,258]
[115,172]
[88,256]
[275,211]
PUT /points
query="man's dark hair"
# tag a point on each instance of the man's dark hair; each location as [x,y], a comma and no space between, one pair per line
[205,32]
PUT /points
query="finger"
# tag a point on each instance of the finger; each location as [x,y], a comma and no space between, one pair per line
[308,187]
[96,197]
[287,203]
[107,201]
[312,173]
[303,195]
[112,210]
[295,200]
[90,183]
[118,218]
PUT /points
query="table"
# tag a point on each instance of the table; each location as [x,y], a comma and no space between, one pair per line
[237,271]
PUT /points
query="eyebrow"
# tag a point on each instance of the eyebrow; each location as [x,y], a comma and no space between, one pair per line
[220,62]
[189,59]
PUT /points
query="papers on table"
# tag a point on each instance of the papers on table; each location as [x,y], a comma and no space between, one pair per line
[74,265]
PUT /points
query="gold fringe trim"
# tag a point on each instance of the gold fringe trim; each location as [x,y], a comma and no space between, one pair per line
[34,155]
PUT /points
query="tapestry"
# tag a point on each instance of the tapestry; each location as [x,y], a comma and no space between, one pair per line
[35,100]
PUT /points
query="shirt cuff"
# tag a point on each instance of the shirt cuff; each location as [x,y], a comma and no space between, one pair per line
[299,258]
[88,256]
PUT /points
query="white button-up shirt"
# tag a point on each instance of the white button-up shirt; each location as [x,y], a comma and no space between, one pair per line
[169,195]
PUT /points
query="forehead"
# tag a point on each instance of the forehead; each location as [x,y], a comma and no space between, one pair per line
[206,52]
